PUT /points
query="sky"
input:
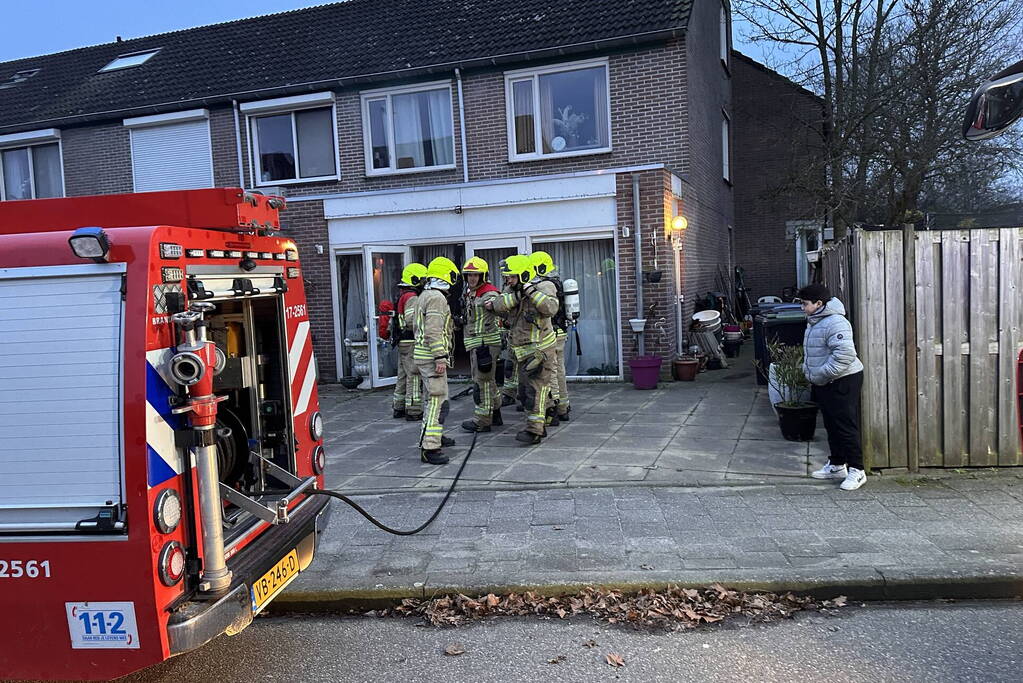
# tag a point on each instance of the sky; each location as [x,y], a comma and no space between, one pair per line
[30,28]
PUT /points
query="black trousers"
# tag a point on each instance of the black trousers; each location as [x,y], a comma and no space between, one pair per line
[839,403]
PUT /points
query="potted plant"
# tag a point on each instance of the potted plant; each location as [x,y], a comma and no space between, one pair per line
[790,392]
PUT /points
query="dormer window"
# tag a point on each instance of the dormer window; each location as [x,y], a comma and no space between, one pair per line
[129,60]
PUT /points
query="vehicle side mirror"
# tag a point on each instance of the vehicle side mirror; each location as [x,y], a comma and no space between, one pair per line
[995,105]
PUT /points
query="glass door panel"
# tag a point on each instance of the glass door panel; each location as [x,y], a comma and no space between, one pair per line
[383,266]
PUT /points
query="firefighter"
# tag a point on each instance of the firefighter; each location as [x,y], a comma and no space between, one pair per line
[483,342]
[432,353]
[407,401]
[545,269]
[510,390]
[528,307]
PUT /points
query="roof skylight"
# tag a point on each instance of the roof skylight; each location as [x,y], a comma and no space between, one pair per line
[19,77]
[129,60]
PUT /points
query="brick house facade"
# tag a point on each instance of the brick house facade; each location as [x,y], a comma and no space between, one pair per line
[774,127]
[669,88]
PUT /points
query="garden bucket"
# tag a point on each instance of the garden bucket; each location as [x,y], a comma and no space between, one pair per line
[645,371]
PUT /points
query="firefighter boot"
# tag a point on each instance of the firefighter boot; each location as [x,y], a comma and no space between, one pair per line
[433,456]
[471,426]
[528,438]
[447,441]
[507,400]
[496,418]
[413,418]
[398,413]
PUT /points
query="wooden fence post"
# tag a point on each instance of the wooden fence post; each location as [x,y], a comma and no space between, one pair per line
[909,289]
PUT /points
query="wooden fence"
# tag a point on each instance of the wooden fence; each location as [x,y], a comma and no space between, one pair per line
[968,334]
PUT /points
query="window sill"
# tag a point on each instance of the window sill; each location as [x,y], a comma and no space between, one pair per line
[378,172]
[562,155]
[299,181]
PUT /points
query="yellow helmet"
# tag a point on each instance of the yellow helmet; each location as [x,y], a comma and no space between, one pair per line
[542,262]
[413,275]
[476,265]
[444,269]
[518,264]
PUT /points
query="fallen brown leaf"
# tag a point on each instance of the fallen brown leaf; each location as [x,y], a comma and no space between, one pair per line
[557,660]
[590,643]
[615,660]
[454,649]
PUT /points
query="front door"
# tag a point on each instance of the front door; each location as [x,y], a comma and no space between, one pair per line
[383,266]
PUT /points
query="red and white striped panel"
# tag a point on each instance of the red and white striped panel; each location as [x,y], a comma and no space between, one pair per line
[302,366]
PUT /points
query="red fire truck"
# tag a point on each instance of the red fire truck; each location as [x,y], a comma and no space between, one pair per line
[159,426]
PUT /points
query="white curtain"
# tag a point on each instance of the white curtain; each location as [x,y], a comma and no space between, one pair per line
[440,127]
[353,297]
[522,108]
[46,166]
[592,264]
[16,178]
[423,129]
[408,148]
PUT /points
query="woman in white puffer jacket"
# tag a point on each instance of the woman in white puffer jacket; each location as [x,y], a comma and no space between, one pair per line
[833,369]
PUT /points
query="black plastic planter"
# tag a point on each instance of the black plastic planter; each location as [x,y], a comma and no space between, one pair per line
[799,422]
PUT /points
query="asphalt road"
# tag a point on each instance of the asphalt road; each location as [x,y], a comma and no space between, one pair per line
[981,641]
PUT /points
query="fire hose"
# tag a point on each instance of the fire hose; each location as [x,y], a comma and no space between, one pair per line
[402,532]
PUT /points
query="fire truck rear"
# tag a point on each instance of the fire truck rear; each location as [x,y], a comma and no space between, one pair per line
[159,427]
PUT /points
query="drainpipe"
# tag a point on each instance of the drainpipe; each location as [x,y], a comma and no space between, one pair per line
[238,144]
[461,126]
[639,259]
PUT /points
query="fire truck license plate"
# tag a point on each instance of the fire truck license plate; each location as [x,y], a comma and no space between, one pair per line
[274,581]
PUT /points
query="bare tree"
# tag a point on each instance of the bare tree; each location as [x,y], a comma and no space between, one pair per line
[893,77]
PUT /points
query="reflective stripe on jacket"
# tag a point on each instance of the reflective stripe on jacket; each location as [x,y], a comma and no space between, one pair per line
[529,316]
[432,326]
[480,324]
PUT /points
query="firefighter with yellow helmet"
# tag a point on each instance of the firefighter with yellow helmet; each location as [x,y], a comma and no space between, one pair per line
[528,307]
[483,343]
[433,328]
[407,401]
[546,271]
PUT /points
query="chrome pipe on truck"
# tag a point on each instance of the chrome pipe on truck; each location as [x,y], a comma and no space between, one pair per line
[193,366]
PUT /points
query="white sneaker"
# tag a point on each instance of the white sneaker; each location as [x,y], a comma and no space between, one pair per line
[855,479]
[830,471]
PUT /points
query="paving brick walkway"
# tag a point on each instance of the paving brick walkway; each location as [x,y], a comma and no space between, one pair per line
[946,529]
[717,430]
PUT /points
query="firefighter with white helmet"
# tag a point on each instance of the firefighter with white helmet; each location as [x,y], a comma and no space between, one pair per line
[483,342]
[432,353]
[546,271]
[528,308]
[407,401]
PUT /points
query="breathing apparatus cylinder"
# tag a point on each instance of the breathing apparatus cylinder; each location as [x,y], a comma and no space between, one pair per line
[570,289]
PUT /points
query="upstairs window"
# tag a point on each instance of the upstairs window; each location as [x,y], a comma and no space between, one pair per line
[725,35]
[558,111]
[171,151]
[29,169]
[293,139]
[407,130]
[726,147]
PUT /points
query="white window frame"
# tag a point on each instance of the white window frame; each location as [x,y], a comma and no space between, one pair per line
[27,140]
[726,147]
[288,105]
[535,74]
[725,37]
[367,136]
